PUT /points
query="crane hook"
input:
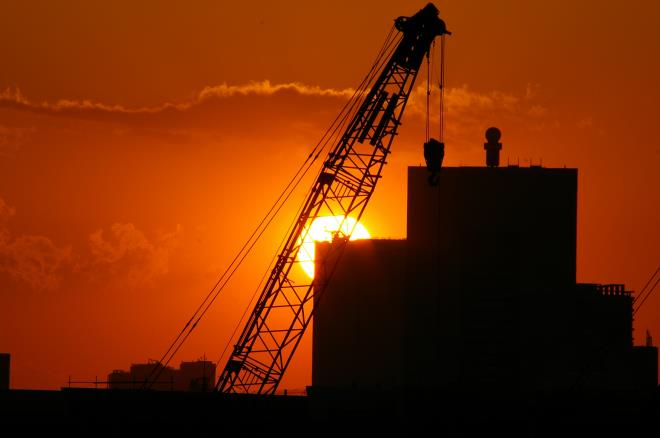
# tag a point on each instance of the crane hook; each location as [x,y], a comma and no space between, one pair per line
[434,153]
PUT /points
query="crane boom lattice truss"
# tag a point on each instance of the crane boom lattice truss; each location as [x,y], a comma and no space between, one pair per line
[343,188]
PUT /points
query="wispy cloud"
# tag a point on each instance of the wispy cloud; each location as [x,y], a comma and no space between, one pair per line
[461,102]
[14,98]
[469,112]
[586,122]
[125,253]
[6,211]
[12,137]
[122,252]
[34,260]
[235,109]
[265,88]
[456,99]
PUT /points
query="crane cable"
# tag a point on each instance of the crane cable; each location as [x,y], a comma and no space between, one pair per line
[643,296]
[441,90]
[441,87]
[375,68]
[337,129]
[201,310]
[388,49]
[427,133]
[240,257]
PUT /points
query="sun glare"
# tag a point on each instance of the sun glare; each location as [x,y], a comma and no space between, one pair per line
[321,230]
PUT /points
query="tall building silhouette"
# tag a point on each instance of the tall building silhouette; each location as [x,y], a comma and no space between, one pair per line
[481,295]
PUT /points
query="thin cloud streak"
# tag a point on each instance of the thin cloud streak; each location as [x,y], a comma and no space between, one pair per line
[460,102]
[14,99]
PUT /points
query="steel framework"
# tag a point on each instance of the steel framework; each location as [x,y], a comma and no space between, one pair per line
[343,188]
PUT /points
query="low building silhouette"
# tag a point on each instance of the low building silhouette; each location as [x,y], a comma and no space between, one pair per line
[481,296]
[191,376]
[5,360]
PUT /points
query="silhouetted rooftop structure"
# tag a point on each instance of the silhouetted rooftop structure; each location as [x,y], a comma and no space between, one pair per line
[191,376]
[5,359]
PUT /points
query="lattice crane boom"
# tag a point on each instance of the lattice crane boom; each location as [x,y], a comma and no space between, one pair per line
[343,188]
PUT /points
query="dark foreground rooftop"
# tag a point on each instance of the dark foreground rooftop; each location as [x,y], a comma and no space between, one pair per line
[449,413]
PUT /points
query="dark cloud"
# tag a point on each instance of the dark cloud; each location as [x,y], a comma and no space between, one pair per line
[34,260]
[125,253]
[122,252]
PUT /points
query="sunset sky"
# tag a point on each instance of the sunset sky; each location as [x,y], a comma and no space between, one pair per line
[142,141]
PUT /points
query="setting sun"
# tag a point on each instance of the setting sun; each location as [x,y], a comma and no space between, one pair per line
[321,230]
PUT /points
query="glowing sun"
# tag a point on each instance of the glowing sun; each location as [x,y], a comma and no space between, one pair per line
[321,230]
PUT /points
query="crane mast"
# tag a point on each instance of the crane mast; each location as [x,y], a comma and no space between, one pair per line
[343,188]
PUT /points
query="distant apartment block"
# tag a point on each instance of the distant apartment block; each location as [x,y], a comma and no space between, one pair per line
[191,376]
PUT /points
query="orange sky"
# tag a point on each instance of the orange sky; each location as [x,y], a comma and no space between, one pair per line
[140,143]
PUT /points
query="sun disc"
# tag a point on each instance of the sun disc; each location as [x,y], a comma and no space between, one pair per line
[322,229]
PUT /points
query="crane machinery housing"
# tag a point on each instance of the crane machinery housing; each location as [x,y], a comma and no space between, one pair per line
[343,188]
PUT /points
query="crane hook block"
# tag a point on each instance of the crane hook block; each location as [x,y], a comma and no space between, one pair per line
[434,153]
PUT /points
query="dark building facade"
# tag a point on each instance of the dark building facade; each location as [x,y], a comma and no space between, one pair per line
[481,295]
[5,360]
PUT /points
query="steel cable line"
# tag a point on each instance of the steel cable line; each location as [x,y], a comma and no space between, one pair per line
[644,297]
[641,292]
[441,86]
[367,81]
[337,123]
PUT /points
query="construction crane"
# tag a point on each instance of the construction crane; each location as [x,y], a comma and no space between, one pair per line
[343,188]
